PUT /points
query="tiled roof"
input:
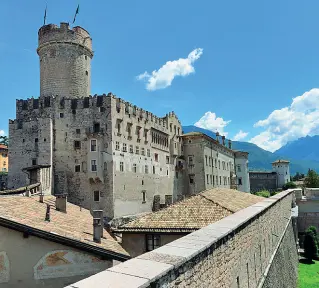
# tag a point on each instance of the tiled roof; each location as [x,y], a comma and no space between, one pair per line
[193,213]
[280,161]
[76,224]
[2,146]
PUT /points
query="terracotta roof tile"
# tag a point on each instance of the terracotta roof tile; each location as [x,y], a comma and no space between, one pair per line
[193,213]
[76,224]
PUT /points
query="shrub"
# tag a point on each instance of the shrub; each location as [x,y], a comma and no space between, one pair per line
[289,185]
[263,193]
[310,245]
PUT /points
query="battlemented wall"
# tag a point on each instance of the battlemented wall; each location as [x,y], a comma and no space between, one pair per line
[59,131]
[241,250]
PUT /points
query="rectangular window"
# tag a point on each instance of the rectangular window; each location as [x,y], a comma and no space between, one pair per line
[146,169]
[215,163]
[137,150]
[152,242]
[210,161]
[61,115]
[96,127]
[77,168]
[78,131]
[93,166]
[176,174]
[93,145]
[211,179]
[77,145]
[207,178]
[167,159]
[156,157]
[238,168]
[143,151]
[240,181]
[124,147]
[218,164]
[220,180]
[153,169]
[144,196]
[34,162]
[131,149]
[191,179]
[206,160]
[121,166]
[117,145]
[148,153]
[227,166]
[134,168]
[190,160]
[96,196]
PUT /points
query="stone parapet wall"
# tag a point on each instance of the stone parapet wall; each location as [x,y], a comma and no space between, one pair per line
[244,249]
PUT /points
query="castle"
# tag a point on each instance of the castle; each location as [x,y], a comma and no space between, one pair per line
[103,152]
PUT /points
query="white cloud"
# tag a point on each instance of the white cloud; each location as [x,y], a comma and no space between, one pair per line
[300,119]
[164,76]
[211,122]
[2,133]
[240,135]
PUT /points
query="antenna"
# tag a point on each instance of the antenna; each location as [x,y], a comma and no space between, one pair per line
[76,12]
[45,14]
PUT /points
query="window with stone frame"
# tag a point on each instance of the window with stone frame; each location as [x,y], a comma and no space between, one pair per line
[96,196]
[153,241]
[144,196]
[93,145]
[121,166]
[77,168]
[137,150]
[167,159]
[238,168]
[93,166]
[190,160]
[207,178]
[143,151]
[240,181]
[156,157]
[148,153]
[134,168]
[153,169]
[220,180]
[131,149]
[146,169]
[124,147]
[117,145]
[77,144]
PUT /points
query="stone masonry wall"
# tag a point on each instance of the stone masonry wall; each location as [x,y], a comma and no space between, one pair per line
[234,252]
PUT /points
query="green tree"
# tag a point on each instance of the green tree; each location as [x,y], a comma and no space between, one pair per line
[311,243]
[289,185]
[4,140]
[312,179]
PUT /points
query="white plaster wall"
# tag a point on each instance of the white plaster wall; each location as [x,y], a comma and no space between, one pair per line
[243,174]
[283,173]
[28,267]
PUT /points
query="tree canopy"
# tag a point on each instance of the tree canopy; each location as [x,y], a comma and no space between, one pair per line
[312,179]
[4,140]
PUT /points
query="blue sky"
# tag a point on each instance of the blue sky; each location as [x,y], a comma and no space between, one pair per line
[235,65]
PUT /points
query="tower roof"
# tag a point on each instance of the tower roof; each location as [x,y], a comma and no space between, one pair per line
[281,161]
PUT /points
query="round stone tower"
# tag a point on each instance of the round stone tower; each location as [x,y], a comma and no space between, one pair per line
[65,61]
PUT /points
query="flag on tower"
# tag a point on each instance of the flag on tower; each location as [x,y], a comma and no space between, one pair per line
[45,15]
[76,12]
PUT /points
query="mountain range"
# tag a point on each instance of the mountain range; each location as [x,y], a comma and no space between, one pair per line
[302,153]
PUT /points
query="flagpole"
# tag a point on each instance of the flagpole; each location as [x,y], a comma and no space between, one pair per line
[45,14]
[76,12]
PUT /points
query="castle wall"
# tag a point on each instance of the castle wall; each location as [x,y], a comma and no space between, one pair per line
[254,247]
[29,146]
[145,148]
[262,181]
[211,164]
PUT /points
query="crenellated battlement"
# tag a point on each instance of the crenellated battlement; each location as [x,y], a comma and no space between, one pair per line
[52,33]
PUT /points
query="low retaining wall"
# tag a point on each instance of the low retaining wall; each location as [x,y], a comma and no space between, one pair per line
[242,250]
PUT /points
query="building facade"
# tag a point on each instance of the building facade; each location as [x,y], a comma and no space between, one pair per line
[241,168]
[103,152]
[4,161]
[281,167]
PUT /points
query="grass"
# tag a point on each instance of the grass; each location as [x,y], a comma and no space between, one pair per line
[308,274]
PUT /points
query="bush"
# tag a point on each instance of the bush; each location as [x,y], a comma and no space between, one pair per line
[289,185]
[311,243]
[263,193]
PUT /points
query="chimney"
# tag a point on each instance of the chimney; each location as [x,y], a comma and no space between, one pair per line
[98,225]
[60,202]
[229,144]
[223,138]
[217,136]
[41,197]
[47,214]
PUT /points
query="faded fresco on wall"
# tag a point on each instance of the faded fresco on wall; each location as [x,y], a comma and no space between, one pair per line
[4,267]
[65,263]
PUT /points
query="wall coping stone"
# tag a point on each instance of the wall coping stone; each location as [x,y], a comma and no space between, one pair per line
[152,265]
